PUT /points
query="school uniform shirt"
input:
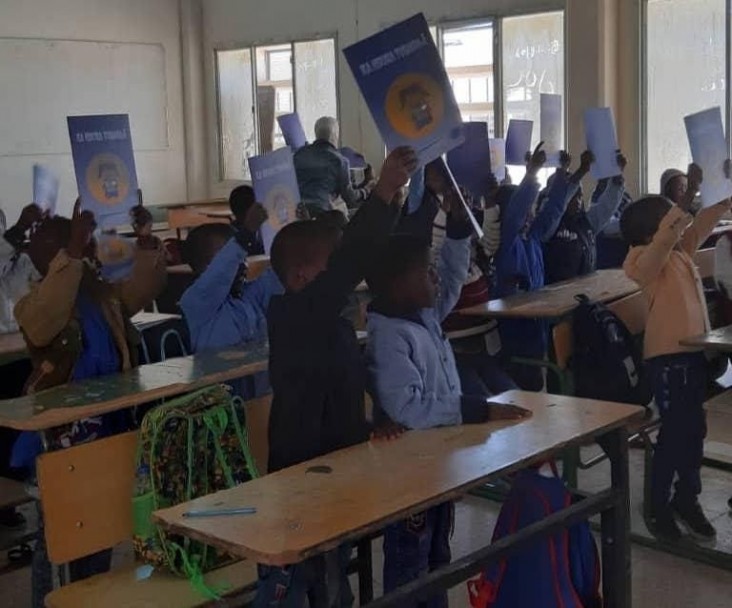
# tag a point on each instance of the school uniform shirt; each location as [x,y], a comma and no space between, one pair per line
[413,377]
[316,369]
[572,250]
[218,319]
[324,174]
[17,273]
[665,271]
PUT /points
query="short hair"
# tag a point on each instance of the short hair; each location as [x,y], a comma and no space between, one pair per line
[401,254]
[641,219]
[198,249]
[241,199]
[299,243]
[326,127]
[334,218]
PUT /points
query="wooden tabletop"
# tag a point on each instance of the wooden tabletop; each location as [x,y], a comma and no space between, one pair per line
[315,506]
[146,383]
[147,320]
[557,300]
[718,340]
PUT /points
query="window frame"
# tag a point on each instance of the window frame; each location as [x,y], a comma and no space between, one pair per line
[252,48]
[644,122]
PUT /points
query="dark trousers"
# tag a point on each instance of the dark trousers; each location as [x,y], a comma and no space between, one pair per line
[416,546]
[322,580]
[679,387]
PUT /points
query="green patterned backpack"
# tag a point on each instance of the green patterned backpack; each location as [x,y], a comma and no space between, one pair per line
[189,447]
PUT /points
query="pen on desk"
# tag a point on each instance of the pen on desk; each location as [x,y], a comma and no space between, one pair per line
[219,512]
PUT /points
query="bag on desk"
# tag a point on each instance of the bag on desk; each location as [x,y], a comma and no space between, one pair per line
[559,571]
[189,447]
[607,362]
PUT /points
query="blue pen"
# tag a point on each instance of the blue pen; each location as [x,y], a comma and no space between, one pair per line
[219,512]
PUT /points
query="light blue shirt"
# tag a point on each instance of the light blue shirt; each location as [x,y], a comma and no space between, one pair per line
[215,318]
[413,377]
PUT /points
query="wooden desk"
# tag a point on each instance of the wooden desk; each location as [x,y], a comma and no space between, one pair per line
[146,383]
[197,214]
[302,512]
[718,340]
[557,300]
[147,320]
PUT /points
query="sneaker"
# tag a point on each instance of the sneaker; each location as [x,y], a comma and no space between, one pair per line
[663,526]
[694,520]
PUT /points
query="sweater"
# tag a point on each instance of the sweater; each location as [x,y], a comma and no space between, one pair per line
[666,273]
[412,373]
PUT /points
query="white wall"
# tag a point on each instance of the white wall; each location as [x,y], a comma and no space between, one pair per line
[592,37]
[161,166]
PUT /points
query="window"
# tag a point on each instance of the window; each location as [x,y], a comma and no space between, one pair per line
[685,71]
[531,56]
[258,84]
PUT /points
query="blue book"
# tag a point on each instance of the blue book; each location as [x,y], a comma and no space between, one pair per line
[292,130]
[709,150]
[275,186]
[105,166]
[470,162]
[550,110]
[404,83]
[518,141]
[45,188]
[602,141]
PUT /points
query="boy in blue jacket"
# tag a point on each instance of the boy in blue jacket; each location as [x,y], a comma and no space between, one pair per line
[520,261]
[220,308]
[413,378]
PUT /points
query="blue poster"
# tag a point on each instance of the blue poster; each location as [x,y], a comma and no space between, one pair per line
[470,162]
[406,88]
[709,150]
[550,125]
[518,141]
[105,166]
[292,131]
[275,186]
[602,141]
[45,189]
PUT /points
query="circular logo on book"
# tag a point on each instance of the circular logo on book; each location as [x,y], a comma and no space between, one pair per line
[281,205]
[415,105]
[108,179]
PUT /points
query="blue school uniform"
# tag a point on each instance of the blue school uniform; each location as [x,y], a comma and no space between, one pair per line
[520,264]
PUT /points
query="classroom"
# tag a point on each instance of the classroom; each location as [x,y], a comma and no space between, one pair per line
[337,303]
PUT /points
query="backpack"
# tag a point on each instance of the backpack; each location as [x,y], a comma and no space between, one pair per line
[607,363]
[559,571]
[192,446]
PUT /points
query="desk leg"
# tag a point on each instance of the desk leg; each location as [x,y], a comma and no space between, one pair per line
[616,524]
[365,571]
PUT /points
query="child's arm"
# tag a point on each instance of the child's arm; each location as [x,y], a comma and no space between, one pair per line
[372,224]
[454,261]
[398,389]
[147,279]
[350,195]
[645,266]
[419,216]
[608,202]
[706,220]
[513,216]
[547,220]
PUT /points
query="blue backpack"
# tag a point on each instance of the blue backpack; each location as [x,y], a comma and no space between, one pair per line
[560,571]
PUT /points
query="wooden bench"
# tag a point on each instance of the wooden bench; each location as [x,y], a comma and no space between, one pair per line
[86,492]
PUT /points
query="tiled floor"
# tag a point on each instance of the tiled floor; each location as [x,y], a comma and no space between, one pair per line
[659,579]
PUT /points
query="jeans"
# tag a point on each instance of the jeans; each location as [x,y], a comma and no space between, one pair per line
[79,569]
[679,387]
[481,374]
[416,546]
[322,580]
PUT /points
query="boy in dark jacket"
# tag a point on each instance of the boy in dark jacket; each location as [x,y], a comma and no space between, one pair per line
[318,376]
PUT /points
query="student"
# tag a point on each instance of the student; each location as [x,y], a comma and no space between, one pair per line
[572,250]
[681,188]
[241,200]
[16,276]
[316,370]
[663,238]
[77,326]
[413,377]
[520,262]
